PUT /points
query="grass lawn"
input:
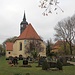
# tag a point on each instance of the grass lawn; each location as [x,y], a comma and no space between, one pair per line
[6,69]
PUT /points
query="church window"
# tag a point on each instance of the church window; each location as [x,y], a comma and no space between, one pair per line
[20,46]
[24,41]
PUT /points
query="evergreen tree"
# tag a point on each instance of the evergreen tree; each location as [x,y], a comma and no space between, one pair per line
[48,48]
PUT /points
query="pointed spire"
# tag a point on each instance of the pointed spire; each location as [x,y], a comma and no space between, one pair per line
[24,18]
[23,24]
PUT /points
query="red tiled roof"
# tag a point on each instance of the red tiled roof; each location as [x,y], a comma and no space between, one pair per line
[9,46]
[59,43]
[29,33]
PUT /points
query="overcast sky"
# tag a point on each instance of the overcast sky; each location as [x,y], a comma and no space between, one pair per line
[12,11]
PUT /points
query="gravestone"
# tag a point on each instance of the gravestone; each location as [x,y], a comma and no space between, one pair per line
[15,61]
[41,60]
[25,62]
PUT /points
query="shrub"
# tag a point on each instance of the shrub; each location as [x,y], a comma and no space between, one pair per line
[27,73]
[7,58]
[41,60]
[59,64]
[10,58]
[17,74]
[63,60]
[45,65]
[52,64]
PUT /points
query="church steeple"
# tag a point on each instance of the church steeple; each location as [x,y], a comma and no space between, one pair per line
[24,17]
[23,24]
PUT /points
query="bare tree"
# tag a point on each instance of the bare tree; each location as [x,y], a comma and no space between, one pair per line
[12,39]
[48,5]
[65,30]
[73,22]
[33,47]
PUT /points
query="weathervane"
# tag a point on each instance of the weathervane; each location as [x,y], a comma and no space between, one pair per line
[48,5]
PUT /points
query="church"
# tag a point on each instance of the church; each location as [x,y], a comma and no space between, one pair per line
[26,43]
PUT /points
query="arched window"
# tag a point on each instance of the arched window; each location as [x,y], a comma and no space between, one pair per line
[20,46]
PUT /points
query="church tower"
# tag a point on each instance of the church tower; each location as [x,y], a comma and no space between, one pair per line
[23,24]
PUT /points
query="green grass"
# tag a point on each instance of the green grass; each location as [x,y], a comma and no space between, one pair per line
[6,69]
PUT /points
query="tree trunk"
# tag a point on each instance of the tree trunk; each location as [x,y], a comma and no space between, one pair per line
[65,47]
[70,48]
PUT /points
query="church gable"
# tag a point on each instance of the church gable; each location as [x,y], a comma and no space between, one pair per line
[29,33]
